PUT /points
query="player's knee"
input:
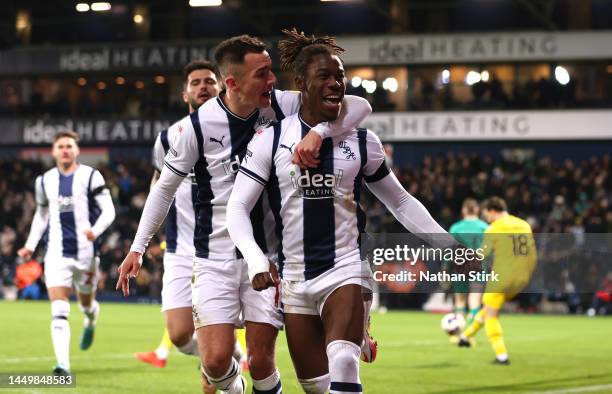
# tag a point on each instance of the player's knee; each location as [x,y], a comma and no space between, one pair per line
[318,385]
[60,309]
[216,365]
[179,336]
[261,360]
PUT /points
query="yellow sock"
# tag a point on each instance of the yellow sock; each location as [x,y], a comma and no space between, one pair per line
[476,324]
[241,336]
[166,342]
[495,334]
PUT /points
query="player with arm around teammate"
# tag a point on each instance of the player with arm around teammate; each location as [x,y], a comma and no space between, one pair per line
[213,140]
[318,220]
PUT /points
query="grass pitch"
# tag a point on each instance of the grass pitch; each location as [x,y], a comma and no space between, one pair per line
[549,354]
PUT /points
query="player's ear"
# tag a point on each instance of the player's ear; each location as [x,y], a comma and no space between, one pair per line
[185,97]
[230,83]
[300,83]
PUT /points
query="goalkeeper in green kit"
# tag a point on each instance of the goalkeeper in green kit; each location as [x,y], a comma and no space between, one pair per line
[469,232]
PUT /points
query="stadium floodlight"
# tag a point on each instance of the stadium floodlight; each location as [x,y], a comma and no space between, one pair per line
[356,81]
[369,86]
[472,78]
[561,75]
[484,76]
[446,76]
[205,3]
[82,7]
[101,6]
[138,19]
[390,84]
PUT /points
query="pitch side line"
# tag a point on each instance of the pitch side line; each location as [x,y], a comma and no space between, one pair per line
[584,389]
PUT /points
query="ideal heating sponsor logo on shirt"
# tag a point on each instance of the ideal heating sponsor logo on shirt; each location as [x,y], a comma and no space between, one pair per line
[65,203]
[316,185]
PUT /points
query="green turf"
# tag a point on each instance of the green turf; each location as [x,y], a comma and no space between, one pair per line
[548,353]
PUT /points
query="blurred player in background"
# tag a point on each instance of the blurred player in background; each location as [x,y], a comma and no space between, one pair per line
[509,243]
[468,232]
[318,219]
[214,140]
[76,207]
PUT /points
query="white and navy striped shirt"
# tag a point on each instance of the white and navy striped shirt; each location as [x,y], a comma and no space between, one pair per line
[318,218]
[213,141]
[180,222]
[74,203]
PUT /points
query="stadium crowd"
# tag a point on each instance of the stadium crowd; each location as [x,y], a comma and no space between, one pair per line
[554,197]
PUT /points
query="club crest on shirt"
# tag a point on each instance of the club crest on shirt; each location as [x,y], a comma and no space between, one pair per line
[262,123]
[346,151]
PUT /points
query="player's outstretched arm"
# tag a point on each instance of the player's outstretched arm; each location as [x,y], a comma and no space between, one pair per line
[155,210]
[39,224]
[354,110]
[39,221]
[409,211]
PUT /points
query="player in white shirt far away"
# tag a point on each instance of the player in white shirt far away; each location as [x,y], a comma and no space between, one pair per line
[318,220]
[75,206]
[213,141]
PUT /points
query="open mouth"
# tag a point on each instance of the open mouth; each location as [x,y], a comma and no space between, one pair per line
[267,94]
[332,100]
[204,96]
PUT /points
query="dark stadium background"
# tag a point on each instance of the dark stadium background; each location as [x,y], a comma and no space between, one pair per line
[118,82]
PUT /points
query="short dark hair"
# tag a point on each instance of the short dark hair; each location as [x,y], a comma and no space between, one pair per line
[197,64]
[297,50]
[233,50]
[471,206]
[496,204]
[66,133]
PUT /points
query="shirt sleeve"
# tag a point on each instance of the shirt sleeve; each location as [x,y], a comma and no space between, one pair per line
[39,192]
[158,154]
[354,111]
[186,146]
[375,167]
[257,161]
[41,215]
[104,200]
[288,101]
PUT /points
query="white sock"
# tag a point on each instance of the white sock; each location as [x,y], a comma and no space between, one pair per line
[191,347]
[318,385]
[270,385]
[230,382]
[60,332]
[91,313]
[162,352]
[343,359]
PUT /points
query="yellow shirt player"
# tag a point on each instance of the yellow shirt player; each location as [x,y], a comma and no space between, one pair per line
[509,244]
